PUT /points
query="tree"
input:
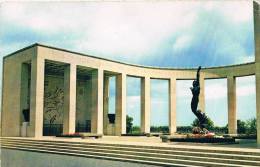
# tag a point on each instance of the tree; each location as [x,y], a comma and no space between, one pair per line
[251,126]
[129,124]
[209,126]
[241,127]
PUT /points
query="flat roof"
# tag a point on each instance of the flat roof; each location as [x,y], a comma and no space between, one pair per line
[101,58]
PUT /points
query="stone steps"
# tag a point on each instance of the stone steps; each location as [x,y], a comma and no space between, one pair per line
[131,153]
[136,147]
[203,152]
[143,154]
[149,152]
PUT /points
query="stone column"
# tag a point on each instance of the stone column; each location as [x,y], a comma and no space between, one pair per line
[69,115]
[257,31]
[120,121]
[172,105]
[202,93]
[257,79]
[37,94]
[97,101]
[232,121]
[145,104]
[106,103]
[257,64]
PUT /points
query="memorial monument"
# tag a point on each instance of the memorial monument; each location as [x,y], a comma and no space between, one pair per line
[194,105]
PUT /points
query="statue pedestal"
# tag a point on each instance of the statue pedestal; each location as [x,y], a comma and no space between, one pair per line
[24,129]
[199,138]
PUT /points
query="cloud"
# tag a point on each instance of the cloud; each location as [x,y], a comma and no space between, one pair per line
[246,90]
[183,88]
[133,107]
[244,8]
[245,86]
[215,89]
[250,58]
[129,32]
[132,102]
[159,88]
[182,42]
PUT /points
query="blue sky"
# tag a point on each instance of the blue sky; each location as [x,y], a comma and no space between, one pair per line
[158,33]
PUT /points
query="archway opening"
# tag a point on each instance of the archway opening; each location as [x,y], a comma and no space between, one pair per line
[216,106]
[159,106]
[184,115]
[246,104]
[133,105]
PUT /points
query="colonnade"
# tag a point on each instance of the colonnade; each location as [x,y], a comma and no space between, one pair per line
[100,91]
[38,54]
[100,85]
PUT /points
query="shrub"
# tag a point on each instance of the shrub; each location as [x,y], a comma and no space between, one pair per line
[209,126]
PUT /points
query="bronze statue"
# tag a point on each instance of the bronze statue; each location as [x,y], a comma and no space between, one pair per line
[195,101]
[26,115]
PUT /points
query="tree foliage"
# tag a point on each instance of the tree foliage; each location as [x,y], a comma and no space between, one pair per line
[209,126]
[129,124]
[241,127]
[246,127]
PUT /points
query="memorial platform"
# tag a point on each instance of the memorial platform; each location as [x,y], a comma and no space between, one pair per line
[142,150]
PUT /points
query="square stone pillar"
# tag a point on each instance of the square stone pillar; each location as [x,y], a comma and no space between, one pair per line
[106,103]
[257,64]
[120,120]
[145,104]
[257,84]
[69,115]
[232,119]
[97,101]
[35,128]
[172,106]
[257,31]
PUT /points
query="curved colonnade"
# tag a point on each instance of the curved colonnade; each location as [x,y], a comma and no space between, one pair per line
[39,54]
[101,69]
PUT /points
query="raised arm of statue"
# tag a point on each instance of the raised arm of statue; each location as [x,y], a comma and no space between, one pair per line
[198,74]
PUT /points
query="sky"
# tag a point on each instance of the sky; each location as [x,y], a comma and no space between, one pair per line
[156,33]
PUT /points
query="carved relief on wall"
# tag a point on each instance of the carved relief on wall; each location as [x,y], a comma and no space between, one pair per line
[53,100]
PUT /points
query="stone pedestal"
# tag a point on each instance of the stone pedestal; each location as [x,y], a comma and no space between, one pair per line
[110,130]
[24,129]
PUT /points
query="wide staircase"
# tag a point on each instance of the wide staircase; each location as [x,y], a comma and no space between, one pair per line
[154,155]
